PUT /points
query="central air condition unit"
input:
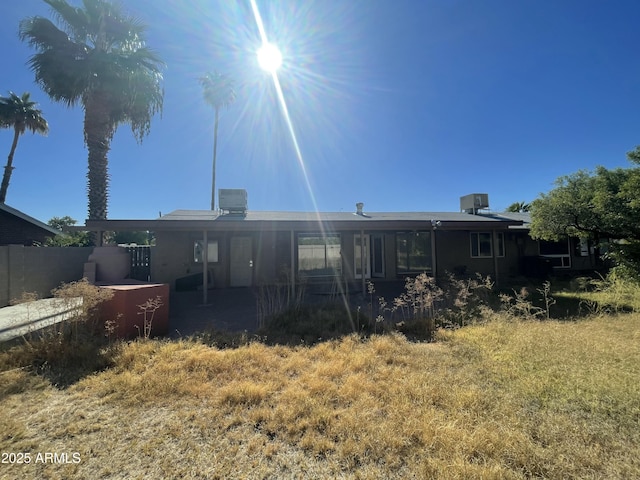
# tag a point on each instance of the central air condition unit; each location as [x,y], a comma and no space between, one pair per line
[233,200]
[474,202]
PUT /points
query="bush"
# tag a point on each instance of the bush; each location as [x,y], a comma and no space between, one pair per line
[311,324]
[68,350]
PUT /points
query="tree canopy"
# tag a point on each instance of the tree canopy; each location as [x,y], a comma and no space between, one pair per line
[97,58]
[604,204]
[21,113]
[67,239]
[519,207]
[218,92]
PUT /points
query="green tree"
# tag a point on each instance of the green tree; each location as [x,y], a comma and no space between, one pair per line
[139,238]
[67,239]
[519,207]
[22,114]
[219,93]
[97,58]
[599,205]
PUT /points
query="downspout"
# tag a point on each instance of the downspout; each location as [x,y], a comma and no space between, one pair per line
[293,267]
[362,259]
[495,256]
[434,270]
[434,263]
[205,265]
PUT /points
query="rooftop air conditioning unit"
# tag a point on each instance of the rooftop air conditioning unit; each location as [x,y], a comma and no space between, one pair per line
[233,200]
[474,202]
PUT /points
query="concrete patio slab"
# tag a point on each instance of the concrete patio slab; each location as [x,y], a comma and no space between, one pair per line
[229,309]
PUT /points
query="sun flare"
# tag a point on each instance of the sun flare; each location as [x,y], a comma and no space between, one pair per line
[269,57]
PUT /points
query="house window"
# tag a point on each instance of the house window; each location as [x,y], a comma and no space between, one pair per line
[556,252]
[319,255]
[413,252]
[482,244]
[212,251]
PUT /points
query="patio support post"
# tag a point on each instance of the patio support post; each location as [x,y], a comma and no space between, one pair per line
[293,267]
[205,267]
[362,259]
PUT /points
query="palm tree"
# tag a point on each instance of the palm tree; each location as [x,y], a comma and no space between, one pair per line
[21,114]
[219,93]
[519,207]
[97,58]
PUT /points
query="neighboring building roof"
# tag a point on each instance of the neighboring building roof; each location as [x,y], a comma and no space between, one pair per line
[252,220]
[524,217]
[17,227]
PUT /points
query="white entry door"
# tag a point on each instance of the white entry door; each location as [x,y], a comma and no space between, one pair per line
[360,252]
[241,262]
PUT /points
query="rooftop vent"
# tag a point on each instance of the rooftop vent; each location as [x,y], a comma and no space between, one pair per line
[474,202]
[359,207]
[233,200]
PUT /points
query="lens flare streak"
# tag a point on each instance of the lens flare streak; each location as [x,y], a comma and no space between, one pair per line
[285,112]
[283,105]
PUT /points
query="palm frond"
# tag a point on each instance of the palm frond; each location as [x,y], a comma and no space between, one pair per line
[73,20]
[218,89]
[41,33]
[21,113]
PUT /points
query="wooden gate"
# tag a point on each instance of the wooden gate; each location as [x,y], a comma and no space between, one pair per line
[140,262]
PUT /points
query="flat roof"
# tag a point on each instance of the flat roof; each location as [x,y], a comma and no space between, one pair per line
[280,220]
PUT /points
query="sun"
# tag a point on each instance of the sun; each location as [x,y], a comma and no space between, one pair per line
[269,57]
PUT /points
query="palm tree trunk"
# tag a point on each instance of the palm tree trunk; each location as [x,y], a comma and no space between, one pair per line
[8,169]
[213,175]
[98,132]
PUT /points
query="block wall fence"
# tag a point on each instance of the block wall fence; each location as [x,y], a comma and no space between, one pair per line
[38,269]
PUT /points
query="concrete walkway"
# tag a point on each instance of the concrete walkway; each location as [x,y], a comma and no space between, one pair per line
[18,320]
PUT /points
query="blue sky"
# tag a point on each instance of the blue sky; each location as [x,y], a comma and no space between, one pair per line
[405,105]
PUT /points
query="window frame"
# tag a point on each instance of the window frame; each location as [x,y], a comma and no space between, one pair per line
[500,240]
[330,270]
[412,234]
[213,251]
[560,260]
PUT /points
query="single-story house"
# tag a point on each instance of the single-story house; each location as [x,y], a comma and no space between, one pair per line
[571,255]
[238,247]
[18,228]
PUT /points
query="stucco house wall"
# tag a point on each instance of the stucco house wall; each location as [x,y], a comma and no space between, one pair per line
[271,256]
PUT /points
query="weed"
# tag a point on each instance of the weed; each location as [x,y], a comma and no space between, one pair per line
[148,310]
[26,297]
[309,324]
[467,300]
[545,291]
[91,296]
[425,307]
[605,295]
[519,305]
[273,299]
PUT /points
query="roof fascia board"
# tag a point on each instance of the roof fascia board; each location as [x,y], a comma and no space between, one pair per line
[242,225]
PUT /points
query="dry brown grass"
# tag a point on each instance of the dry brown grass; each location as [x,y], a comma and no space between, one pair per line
[502,400]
